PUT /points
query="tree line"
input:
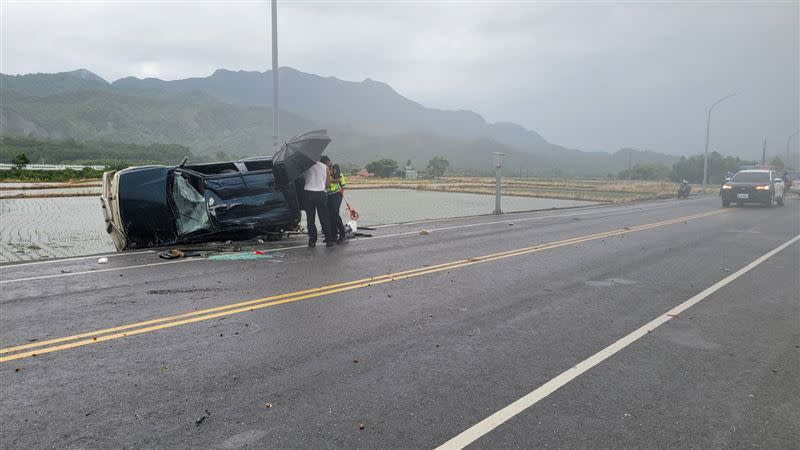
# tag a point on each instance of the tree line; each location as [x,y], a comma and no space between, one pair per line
[386,167]
[691,169]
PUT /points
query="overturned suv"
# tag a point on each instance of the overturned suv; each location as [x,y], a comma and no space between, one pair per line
[753,186]
[153,206]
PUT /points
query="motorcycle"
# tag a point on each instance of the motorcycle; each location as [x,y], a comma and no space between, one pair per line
[684,189]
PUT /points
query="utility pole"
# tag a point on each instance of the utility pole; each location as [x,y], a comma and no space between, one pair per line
[498,166]
[630,175]
[275,128]
[788,157]
[764,154]
[708,131]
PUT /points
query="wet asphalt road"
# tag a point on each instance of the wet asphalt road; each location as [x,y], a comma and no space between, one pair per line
[414,359]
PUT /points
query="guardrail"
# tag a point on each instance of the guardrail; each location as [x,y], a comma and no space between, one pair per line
[4,166]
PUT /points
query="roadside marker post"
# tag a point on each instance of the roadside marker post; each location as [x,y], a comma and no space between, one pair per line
[498,169]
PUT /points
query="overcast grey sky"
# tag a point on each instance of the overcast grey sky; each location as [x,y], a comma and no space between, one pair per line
[593,76]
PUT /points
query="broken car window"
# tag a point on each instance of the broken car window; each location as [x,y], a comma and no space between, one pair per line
[192,214]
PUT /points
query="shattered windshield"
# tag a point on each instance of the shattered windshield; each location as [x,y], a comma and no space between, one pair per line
[190,205]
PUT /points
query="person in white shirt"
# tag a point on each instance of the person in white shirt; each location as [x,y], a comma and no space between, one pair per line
[317,177]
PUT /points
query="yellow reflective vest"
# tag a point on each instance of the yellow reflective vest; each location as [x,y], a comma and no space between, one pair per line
[337,185]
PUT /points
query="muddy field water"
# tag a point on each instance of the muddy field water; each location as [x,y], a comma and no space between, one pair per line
[48,192]
[384,206]
[13,190]
[38,228]
[51,227]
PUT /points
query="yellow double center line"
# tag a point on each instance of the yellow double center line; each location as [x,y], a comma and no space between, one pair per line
[93,337]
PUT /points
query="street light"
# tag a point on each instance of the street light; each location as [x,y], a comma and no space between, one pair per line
[708,129]
[274,75]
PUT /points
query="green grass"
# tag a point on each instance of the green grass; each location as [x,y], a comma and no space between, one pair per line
[24,175]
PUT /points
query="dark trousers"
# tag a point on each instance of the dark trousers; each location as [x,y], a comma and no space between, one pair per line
[314,203]
[337,227]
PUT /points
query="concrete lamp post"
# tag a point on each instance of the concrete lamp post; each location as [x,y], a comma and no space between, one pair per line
[498,169]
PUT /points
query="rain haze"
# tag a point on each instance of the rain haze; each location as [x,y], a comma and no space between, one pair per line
[591,76]
[427,225]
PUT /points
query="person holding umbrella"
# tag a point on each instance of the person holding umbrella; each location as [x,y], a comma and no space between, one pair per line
[317,178]
[335,191]
[300,157]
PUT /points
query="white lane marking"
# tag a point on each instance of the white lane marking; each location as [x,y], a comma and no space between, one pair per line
[508,214]
[407,233]
[486,425]
[110,269]
[605,207]
[508,220]
[77,258]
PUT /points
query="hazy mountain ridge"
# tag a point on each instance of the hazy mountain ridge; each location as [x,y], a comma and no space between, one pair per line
[44,84]
[331,100]
[230,111]
[193,119]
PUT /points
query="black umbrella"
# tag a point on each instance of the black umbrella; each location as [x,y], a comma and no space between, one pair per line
[298,155]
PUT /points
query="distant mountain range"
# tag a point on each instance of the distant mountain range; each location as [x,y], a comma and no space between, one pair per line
[230,111]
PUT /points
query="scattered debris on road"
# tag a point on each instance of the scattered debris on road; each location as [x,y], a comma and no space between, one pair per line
[424,232]
[175,254]
[103,260]
[200,419]
[255,254]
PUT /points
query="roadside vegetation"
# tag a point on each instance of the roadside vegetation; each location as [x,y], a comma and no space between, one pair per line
[67,175]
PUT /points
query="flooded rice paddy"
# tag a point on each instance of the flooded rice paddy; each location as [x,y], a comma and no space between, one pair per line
[37,228]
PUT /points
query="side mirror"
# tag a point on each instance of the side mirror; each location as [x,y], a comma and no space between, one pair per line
[727,179]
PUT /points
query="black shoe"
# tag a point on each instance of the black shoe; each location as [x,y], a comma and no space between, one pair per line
[312,244]
[330,244]
[340,240]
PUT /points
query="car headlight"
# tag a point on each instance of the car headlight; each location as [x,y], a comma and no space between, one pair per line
[727,186]
[762,188]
